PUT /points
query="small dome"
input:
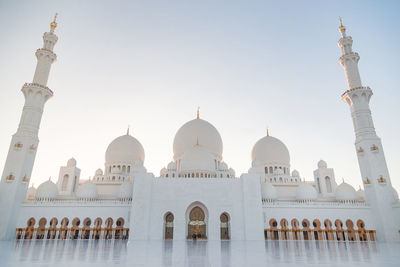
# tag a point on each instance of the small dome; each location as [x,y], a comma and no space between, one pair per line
[232,172]
[197,158]
[395,195]
[295,173]
[125,149]
[223,166]
[71,162]
[163,171]
[87,190]
[99,172]
[360,194]
[125,190]
[171,166]
[306,192]
[270,150]
[207,134]
[322,164]
[47,190]
[345,192]
[268,191]
[31,193]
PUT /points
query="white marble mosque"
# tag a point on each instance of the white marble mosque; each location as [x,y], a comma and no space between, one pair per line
[198,196]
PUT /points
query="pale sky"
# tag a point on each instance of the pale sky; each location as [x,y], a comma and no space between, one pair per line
[247,64]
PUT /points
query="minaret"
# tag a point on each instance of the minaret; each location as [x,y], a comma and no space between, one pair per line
[371,159]
[21,154]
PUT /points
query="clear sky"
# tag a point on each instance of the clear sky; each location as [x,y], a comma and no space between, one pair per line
[247,64]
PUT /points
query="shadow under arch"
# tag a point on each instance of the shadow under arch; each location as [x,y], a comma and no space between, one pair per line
[196,221]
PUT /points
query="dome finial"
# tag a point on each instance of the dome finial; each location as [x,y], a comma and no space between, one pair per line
[267,131]
[342,180]
[342,29]
[50,178]
[198,112]
[53,24]
[197,141]
[127,131]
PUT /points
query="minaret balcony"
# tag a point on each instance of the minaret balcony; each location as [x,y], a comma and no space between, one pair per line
[357,89]
[34,87]
[43,52]
[349,56]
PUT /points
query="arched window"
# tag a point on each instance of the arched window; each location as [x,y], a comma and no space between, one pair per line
[197,228]
[274,229]
[129,169]
[123,168]
[108,229]
[224,226]
[40,233]
[266,169]
[65,183]
[271,170]
[328,184]
[75,228]
[169,226]
[119,229]
[30,228]
[318,186]
[86,228]
[97,228]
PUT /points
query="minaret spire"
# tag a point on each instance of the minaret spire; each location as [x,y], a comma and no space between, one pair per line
[369,149]
[21,154]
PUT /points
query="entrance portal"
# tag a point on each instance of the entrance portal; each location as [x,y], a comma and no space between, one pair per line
[197,227]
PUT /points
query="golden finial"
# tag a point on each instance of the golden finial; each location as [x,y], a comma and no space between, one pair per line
[50,178]
[267,131]
[197,141]
[53,24]
[341,28]
[198,112]
[127,131]
[342,180]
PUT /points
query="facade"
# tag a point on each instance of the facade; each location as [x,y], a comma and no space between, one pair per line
[197,196]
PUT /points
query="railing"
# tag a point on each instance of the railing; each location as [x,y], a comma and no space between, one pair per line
[79,202]
[292,203]
[72,233]
[319,234]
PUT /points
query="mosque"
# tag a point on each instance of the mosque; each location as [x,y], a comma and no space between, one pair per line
[198,195]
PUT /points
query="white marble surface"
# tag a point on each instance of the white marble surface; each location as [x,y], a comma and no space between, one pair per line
[200,253]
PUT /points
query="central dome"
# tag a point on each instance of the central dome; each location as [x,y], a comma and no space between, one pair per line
[270,150]
[206,133]
[125,149]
